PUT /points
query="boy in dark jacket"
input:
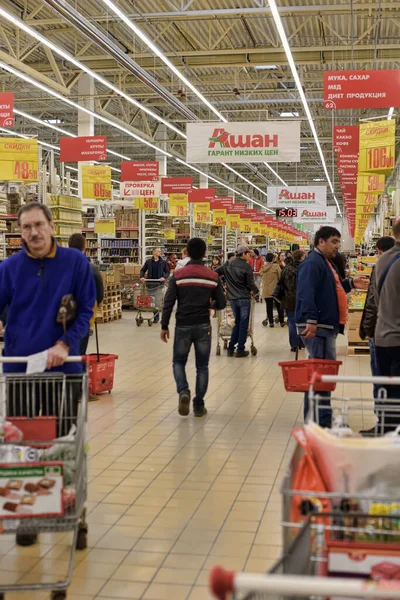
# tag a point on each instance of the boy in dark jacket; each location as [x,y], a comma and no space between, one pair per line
[192,286]
[288,301]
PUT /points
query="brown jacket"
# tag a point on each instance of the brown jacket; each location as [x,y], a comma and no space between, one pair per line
[270,273]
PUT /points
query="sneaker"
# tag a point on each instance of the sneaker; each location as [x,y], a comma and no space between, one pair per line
[265,322]
[230,352]
[199,410]
[271,325]
[184,403]
[93,397]
[242,354]
[282,323]
[293,349]
[26,539]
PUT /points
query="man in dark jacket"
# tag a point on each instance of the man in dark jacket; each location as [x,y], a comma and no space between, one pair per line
[192,286]
[239,280]
[321,305]
[288,301]
[156,269]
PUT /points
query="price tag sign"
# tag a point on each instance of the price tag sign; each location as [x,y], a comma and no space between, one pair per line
[178,205]
[366,199]
[210,240]
[377,146]
[234,221]
[105,226]
[169,234]
[96,182]
[255,228]
[146,203]
[19,160]
[219,217]
[263,230]
[371,184]
[202,212]
[246,225]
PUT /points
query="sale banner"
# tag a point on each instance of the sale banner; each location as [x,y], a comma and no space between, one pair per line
[219,217]
[201,195]
[135,170]
[176,185]
[6,109]
[361,89]
[245,225]
[80,149]
[364,209]
[105,226]
[371,184]
[201,212]
[140,189]
[146,203]
[178,205]
[255,228]
[19,160]
[263,229]
[377,147]
[364,199]
[96,182]
[169,234]
[233,221]
[346,140]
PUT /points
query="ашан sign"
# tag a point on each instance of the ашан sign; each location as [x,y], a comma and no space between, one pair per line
[272,141]
[296,196]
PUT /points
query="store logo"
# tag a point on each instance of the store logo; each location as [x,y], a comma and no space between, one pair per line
[228,140]
[285,194]
[308,214]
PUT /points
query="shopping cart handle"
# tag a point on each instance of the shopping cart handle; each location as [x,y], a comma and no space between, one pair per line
[377,380]
[222,582]
[24,359]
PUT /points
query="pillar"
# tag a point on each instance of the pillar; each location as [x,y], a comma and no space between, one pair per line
[85,121]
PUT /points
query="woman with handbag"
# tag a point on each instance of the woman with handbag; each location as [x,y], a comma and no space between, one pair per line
[288,285]
[270,274]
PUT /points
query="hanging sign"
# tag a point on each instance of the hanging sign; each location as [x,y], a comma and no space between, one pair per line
[255,228]
[6,109]
[80,149]
[263,229]
[219,217]
[377,146]
[296,196]
[272,141]
[308,215]
[135,170]
[346,140]
[361,89]
[105,226]
[245,225]
[140,189]
[176,185]
[146,203]
[178,205]
[96,182]
[365,199]
[234,221]
[169,234]
[201,195]
[201,212]
[19,160]
[371,184]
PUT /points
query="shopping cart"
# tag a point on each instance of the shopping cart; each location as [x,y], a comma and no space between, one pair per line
[43,476]
[226,322]
[148,300]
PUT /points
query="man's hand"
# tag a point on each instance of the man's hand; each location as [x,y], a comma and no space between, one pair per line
[361,282]
[164,335]
[142,279]
[310,331]
[1,327]
[57,355]
[162,279]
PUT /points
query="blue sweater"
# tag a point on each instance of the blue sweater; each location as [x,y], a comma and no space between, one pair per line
[33,288]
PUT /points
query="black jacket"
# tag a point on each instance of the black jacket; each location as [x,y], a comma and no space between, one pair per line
[98,281]
[197,289]
[155,269]
[370,312]
[288,283]
[239,279]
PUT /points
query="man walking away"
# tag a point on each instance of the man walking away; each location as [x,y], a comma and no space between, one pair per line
[321,306]
[387,332]
[370,314]
[78,241]
[288,302]
[156,268]
[192,286]
[240,284]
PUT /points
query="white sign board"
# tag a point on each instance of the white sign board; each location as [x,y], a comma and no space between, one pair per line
[316,215]
[296,196]
[271,141]
[140,189]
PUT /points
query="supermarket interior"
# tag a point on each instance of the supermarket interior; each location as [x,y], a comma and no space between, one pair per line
[268,130]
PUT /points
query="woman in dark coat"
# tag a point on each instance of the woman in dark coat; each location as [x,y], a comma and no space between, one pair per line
[288,302]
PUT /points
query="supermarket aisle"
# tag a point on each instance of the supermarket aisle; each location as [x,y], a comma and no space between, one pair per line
[170,497]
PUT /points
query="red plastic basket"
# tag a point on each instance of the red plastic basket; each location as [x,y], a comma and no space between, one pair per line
[101,372]
[297,374]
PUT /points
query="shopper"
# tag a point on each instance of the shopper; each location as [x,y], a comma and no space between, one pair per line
[321,306]
[157,271]
[270,276]
[288,302]
[78,241]
[216,263]
[240,284]
[171,261]
[256,262]
[387,331]
[370,312]
[192,286]
[281,260]
[231,255]
[182,262]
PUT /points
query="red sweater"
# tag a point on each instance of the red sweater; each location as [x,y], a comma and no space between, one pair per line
[256,262]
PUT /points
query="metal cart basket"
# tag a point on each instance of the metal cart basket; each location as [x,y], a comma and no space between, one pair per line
[226,322]
[148,300]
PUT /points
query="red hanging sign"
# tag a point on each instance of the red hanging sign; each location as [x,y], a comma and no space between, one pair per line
[136,170]
[176,185]
[7,109]
[361,89]
[346,140]
[201,195]
[82,149]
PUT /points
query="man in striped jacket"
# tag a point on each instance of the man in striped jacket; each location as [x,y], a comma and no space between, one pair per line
[197,289]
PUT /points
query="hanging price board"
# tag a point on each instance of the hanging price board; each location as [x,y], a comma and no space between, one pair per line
[178,205]
[169,234]
[96,182]
[377,147]
[105,226]
[219,217]
[234,221]
[364,209]
[371,184]
[146,203]
[245,225]
[19,160]
[201,212]
[263,230]
[363,199]
[255,228]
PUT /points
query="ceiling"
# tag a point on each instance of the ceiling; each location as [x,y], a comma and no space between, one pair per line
[218,46]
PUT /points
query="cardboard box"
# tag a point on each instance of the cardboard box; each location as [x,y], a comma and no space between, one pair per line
[133,235]
[353,337]
[130,269]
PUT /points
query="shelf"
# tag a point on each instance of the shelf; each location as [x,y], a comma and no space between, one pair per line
[51,206]
[127,229]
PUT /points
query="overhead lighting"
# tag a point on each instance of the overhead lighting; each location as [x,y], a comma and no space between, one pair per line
[244,178]
[285,44]
[319,179]
[390,113]
[265,67]
[275,173]
[54,121]
[289,114]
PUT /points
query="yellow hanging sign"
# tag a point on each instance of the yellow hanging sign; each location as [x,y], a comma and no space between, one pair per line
[146,203]
[19,160]
[366,199]
[255,228]
[234,221]
[105,226]
[178,205]
[201,212]
[96,182]
[263,230]
[219,217]
[370,184]
[169,234]
[245,225]
[377,147]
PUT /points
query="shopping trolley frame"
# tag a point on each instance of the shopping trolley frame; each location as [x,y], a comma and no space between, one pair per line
[148,300]
[225,330]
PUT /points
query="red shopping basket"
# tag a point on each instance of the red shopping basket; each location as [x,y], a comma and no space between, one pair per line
[297,374]
[101,372]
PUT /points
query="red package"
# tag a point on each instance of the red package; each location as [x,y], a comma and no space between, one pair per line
[385,570]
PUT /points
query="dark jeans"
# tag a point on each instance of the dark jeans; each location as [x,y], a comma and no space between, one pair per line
[388,363]
[270,310]
[200,336]
[294,339]
[374,365]
[321,347]
[241,312]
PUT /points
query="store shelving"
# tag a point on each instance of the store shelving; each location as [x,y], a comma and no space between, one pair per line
[67,216]
[118,250]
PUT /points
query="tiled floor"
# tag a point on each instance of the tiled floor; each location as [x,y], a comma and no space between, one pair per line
[169,497]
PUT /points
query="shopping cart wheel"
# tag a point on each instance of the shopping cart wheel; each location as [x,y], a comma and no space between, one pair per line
[218,351]
[139,322]
[58,595]
[253,350]
[150,322]
[81,538]
[225,344]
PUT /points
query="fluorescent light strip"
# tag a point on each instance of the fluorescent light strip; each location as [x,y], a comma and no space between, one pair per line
[32,32]
[149,43]
[244,179]
[275,173]
[285,44]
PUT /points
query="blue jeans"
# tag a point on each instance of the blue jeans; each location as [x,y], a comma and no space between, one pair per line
[388,363]
[200,336]
[374,365]
[323,346]
[293,337]
[241,312]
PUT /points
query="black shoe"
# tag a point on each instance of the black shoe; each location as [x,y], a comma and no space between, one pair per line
[271,325]
[230,352]
[283,324]
[26,539]
[184,403]
[293,349]
[199,410]
[242,354]
[265,322]
[302,347]
[156,319]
